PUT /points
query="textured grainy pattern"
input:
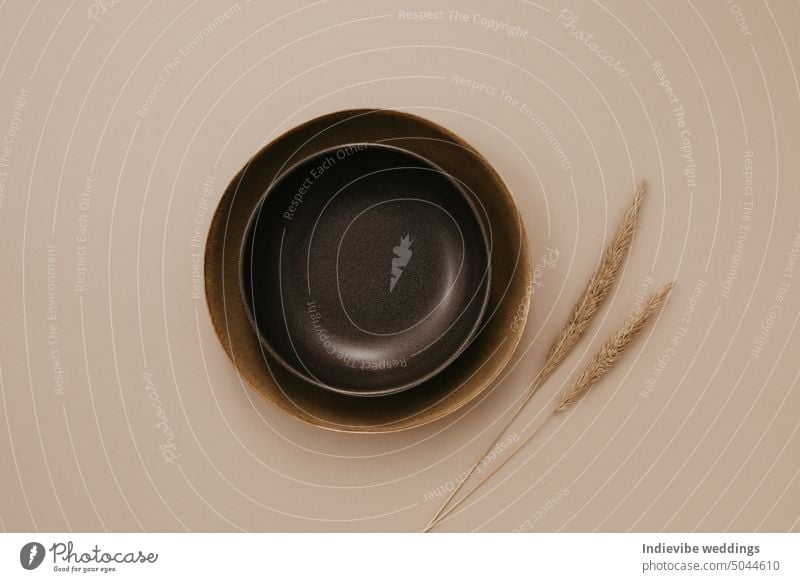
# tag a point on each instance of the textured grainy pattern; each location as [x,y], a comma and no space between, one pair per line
[121,128]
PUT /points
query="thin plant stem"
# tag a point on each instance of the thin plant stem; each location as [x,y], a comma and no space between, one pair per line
[602,361]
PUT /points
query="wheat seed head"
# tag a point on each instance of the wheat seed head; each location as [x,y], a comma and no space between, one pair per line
[613,347]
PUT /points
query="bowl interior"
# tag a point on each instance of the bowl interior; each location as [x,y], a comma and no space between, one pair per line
[365,269]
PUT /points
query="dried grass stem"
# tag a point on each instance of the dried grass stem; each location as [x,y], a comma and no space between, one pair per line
[580,318]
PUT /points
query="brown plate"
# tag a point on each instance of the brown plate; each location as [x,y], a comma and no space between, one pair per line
[509,265]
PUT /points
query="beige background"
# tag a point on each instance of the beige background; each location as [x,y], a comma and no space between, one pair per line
[705,440]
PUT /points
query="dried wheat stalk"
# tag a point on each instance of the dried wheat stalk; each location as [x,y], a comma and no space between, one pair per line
[591,299]
[598,287]
[600,363]
[613,347]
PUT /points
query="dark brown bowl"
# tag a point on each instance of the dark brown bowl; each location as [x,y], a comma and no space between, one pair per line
[365,269]
[472,371]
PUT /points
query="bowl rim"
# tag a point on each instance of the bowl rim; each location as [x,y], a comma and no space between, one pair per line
[483,291]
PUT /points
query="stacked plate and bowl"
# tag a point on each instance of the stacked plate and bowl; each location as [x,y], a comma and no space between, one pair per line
[368,271]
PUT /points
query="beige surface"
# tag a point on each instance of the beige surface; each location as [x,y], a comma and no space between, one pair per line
[708,440]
